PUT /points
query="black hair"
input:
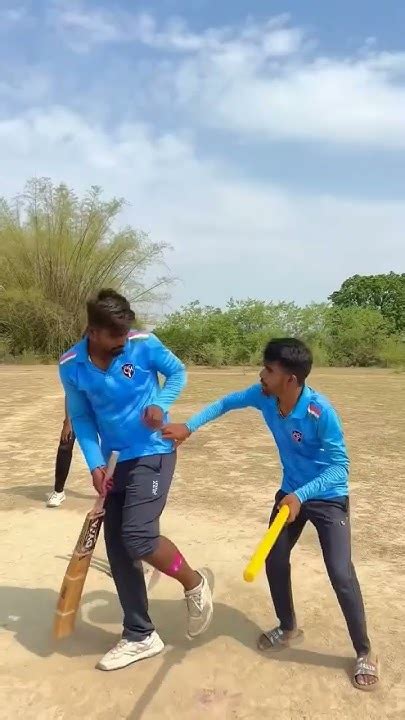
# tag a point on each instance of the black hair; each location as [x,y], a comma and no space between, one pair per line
[108,309]
[292,354]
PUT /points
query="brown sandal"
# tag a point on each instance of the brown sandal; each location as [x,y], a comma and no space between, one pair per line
[278,639]
[366,667]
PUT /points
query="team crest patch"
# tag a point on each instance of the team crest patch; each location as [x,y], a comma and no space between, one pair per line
[128,370]
[297,436]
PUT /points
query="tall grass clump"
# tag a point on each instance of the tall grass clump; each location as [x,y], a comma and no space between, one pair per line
[55,250]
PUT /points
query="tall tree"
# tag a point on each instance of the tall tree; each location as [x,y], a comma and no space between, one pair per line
[385,293]
[55,249]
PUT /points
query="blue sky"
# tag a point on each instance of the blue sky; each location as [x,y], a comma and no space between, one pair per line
[264,141]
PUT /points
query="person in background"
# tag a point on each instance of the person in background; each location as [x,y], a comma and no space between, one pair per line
[63,462]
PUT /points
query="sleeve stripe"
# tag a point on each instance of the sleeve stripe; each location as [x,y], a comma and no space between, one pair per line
[137,336]
[315,410]
[65,358]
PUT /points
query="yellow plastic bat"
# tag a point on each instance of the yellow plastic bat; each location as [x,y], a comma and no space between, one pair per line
[265,545]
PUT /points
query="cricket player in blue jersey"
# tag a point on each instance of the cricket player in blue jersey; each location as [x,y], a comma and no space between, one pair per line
[115,403]
[309,437]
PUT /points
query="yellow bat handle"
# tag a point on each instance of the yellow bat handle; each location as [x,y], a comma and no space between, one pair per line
[265,545]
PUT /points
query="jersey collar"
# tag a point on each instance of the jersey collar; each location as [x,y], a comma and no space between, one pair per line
[301,408]
[82,351]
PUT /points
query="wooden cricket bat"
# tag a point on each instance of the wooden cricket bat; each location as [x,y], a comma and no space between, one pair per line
[76,573]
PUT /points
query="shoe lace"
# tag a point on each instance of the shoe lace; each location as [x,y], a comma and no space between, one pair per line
[195,604]
[119,646]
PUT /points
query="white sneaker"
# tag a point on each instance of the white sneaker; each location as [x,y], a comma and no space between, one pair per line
[200,607]
[127,652]
[55,499]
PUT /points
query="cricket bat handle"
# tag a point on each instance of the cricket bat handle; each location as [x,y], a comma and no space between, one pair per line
[266,544]
[94,518]
[98,507]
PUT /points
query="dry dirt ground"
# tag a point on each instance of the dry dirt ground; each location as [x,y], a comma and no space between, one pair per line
[219,504]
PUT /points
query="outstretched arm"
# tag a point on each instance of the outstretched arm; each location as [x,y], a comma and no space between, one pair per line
[250,397]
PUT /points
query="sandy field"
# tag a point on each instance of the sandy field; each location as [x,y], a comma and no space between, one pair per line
[226,478]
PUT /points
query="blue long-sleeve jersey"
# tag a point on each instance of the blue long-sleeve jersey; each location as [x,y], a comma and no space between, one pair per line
[310,440]
[106,407]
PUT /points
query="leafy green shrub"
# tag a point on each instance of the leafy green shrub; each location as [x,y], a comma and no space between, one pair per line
[320,355]
[355,336]
[213,354]
[393,352]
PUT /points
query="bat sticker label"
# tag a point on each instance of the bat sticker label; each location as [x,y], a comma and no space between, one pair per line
[90,536]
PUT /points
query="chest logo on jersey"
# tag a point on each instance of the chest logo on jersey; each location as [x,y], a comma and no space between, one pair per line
[128,370]
[297,436]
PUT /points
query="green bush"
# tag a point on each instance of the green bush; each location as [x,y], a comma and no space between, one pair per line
[4,349]
[393,352]
[355,336]
[213,354]
[320,354]
[33,325]
[238,334]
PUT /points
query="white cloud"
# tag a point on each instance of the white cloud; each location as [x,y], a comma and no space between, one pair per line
[79,23]
[262,80]
[272,38]
[359,101]
[256,81]
[96,25]
[230,236]
[355,102]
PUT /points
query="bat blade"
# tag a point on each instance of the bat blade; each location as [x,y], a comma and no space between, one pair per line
[265,545]
[75,576]
[76,573]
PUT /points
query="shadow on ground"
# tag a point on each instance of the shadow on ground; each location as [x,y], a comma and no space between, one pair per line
[38,493]
[28,614]
[96,563]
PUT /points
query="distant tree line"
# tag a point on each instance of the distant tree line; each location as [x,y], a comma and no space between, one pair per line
[57,248]
[363,324]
